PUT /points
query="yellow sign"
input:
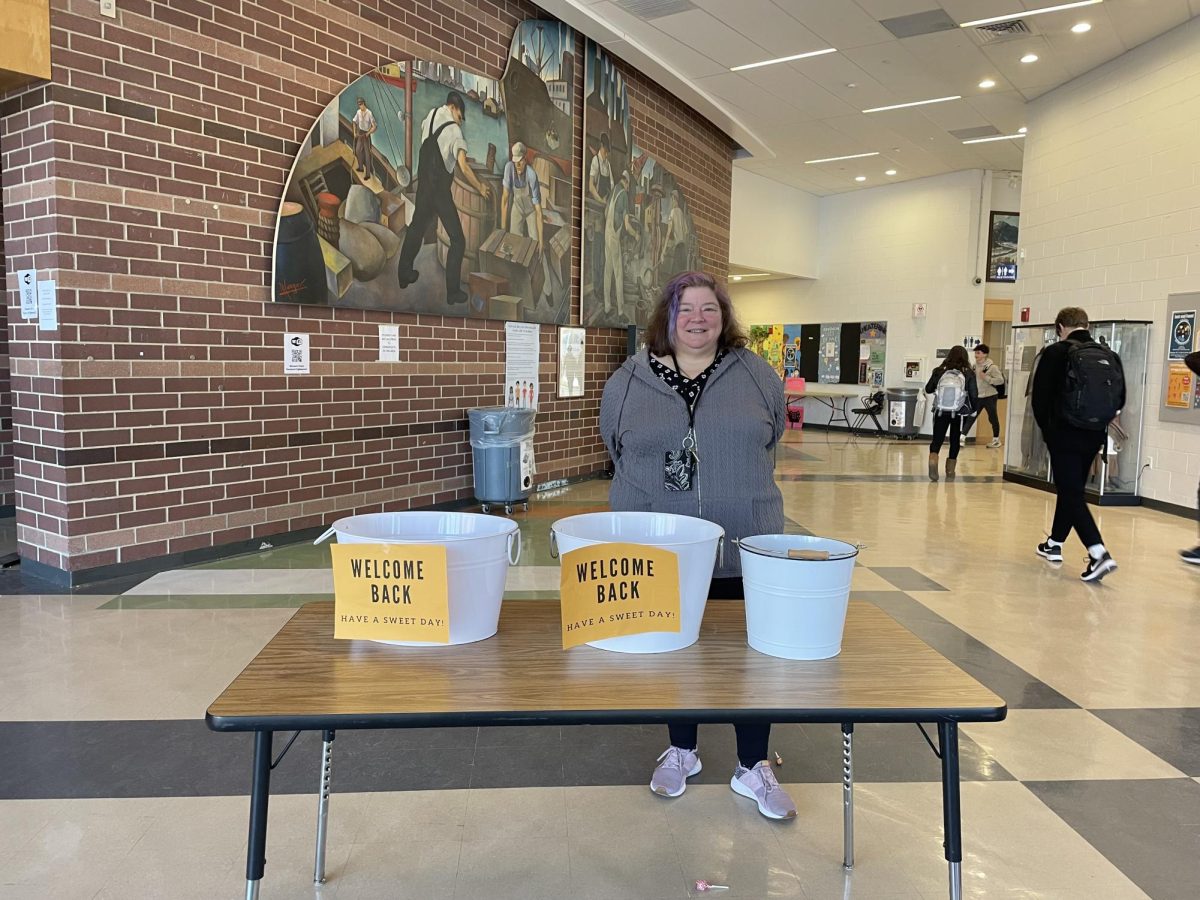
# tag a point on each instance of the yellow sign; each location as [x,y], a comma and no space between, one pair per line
[1179,386]
[611,590]
[391,592]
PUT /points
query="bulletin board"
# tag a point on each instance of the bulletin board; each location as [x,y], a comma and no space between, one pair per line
[1180,389]
[825,353]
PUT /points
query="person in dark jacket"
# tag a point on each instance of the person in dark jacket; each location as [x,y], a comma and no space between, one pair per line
[1072,450]
[1193,556]
[943,420]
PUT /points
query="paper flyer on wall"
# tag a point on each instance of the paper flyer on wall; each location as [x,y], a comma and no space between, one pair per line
[1183,333]
[570,362]
[521,344]
[1180,386]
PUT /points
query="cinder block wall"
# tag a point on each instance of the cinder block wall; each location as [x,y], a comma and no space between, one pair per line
[144,179]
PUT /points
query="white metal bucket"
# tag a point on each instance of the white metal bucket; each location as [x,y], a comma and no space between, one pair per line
[479,550]
[796,608]
[694,541]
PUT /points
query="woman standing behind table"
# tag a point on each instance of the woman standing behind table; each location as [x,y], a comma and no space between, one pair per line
[691,425]
[967,399]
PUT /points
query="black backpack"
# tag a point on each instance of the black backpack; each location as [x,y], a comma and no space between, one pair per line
[1094,388]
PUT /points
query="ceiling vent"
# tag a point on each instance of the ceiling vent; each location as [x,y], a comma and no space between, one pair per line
[1002,31]
[655,9]
[928,22]
[967,134]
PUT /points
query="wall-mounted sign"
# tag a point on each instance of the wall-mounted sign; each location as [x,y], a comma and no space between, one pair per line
[391,592]
[612,590]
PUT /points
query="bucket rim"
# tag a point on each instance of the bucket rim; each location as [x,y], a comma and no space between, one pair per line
[425,514]
[641,513]
[851,551]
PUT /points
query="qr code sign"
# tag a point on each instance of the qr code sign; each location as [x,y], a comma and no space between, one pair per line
[295,354]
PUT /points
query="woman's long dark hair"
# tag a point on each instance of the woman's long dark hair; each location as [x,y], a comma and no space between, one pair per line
[957,359]
[660,330]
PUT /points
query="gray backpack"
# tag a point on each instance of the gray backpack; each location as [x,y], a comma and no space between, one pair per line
[951,394]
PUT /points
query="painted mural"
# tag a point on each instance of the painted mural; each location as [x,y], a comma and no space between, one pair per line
[426,188]
[637,230]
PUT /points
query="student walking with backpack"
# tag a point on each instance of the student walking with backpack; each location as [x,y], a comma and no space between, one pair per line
[1193,556]
[1078,388]
[955,396]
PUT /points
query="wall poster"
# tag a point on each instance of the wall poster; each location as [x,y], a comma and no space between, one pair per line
[571,378]
[1181,386]
[1002,246]
[873,352]
[521,345]
[637,230]
[426,188]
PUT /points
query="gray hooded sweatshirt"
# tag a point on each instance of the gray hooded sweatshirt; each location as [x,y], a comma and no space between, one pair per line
[739,419]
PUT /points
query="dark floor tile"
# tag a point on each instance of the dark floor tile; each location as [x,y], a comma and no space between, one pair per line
[1149,829]
[518,736]
[1019,689]
[611,754]
[530,766]
[906,579]
[1173,734]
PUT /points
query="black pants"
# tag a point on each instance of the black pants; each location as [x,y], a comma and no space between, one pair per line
[1071,465]
[942,422]
[752,738]
[989,406]
[436,204]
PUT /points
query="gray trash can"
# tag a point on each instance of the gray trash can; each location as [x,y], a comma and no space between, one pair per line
[502,455]
[902,412]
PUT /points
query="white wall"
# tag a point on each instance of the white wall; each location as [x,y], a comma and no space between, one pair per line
[882,250]
[1110,214]
[773,227]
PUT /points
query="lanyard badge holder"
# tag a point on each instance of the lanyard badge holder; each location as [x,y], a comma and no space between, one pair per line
[679,466]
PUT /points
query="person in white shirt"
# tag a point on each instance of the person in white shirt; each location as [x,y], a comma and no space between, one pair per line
[443,147]
[364,127]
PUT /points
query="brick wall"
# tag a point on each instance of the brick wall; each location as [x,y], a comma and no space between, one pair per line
[145,179]
[7,496]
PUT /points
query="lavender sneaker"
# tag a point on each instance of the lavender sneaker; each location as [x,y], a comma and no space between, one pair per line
[759,785]
[675,767]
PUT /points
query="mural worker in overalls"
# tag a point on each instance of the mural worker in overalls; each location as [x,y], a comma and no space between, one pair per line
[616,225]
[364,127]
[442,148]
[521,206]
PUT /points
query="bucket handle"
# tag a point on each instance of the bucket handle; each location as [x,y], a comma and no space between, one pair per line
[553,545]
[325,536]
[517,532]
[721,552]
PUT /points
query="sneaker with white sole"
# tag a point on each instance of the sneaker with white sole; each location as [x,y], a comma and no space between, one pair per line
[675,767]
[1191,556]
[1098,568]
[759,785]
[994,443]
[1050,552]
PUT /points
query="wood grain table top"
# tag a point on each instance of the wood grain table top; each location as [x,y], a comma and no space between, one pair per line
[304,679]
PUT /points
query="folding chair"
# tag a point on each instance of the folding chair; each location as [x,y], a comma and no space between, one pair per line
[872,408]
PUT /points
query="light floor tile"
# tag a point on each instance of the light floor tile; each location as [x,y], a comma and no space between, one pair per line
[864,579]
[517,813]
[523,868]
[238,581]
[1065,744]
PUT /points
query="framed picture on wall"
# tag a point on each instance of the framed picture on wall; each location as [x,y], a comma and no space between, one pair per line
[1002,246]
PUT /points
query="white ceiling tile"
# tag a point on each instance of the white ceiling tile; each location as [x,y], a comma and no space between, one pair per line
[902,72]
[745,96]
[762,22]
[842,23]
[970,10]
[711,37]
[1138,21]
[890,9]
[799,92]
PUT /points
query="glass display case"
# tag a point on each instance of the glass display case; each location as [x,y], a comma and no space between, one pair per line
[1114,478]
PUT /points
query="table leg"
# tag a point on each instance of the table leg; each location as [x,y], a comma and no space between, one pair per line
[951,811]
[323,805]
[260,791]
[848,795]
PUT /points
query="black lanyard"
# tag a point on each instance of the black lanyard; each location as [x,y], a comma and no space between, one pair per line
[691,406]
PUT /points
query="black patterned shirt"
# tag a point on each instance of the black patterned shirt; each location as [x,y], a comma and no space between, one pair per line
[687,388]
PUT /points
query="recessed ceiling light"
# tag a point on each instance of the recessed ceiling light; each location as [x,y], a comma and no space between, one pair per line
[987,83]
[809,162]
[783,59]
[914,103]
[1030,12]
[1082,28]
[860,177]
[890,172]
[1029,57]
[998,137]
[1022,130]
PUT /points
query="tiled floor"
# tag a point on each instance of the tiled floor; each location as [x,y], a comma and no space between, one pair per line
[113,788]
